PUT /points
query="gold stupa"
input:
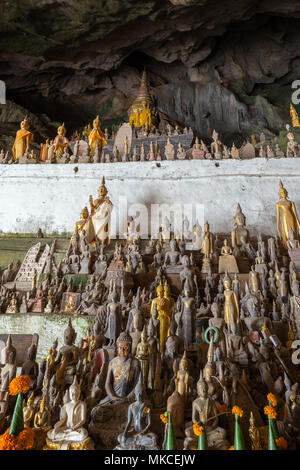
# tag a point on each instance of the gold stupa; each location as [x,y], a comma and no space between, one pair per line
[141,112]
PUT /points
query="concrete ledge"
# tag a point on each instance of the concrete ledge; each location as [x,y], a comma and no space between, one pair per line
[51,196]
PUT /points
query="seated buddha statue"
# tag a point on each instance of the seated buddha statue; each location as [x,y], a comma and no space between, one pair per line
[172,256]
[227,262]
[96,137]
[29,411]
[80,224]
[41,424]
[60,141]
[68,433]
[8,358]
[22,140]
[69,352]
[204,411]
[136,435]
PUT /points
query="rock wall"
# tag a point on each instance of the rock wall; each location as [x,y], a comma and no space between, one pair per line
[51,197]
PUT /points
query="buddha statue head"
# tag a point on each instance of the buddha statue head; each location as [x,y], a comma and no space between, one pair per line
[160,290]
[102,190]
[184,362]
[201,386]
[124,343]
[239,218]
[24,124]
[74,390]
[144,335]
[69,334]
[166,290]
[227,282]
[282,193]
[84,213]
[62,130]
[96,123]
[215,309]
[31,353]
[185,261]
[139,390]
[206,227]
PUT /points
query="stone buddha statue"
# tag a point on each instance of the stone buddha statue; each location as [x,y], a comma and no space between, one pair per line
[8,358]
[143,353]
[187,318]
[187,274]
[287,217]
[69,353]
[216,146]
[113,320]
[239,234]
[227,262]
[60,141]
[204,411]
[136,435]
[96,137]
[69,433]
[169,150]
[30,367]
[172,256]
[22,140]
[184,382]
[292,148]
[97,225]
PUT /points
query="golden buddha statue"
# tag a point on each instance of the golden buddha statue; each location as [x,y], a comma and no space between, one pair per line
[164,309]
[231,305]
[87,130]
[141,112]
[98,222]
[227,262]
[22,140]
[254,434]
[42,417]
[80,224]
[60,141]
[29,411]
[96,136]
[143,353]
[207,245]
[183,381]
[286,214]
[294,116]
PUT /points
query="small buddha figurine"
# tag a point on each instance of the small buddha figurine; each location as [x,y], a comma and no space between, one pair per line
[60,141]
[169,150]
[184,382]
[164,309]
[227,262]
[80,224]
[204,411]
[286,214]
[292,146]
[30,367]
[98,223]
[143,352]
[8,358]
[254,434]
[231,305]
[136,435]
[181,153]
[239,232]
[216,146]
[22,140]
[207,245]
[187,318]
[70,352]
[29,411]
[68,432]
[42,417]
[197,151]
[172,256]
[13,305]
[235,152]
[96,136]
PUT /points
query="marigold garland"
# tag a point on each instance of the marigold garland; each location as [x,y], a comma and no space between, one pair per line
[198,430]
[236,410]
[270,411]
[164,418]
[281,443]
[24,440]
[272,399]
[20,384]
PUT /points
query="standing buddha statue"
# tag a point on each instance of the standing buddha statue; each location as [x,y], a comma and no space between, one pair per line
[96,136]
[286,214]
[22,140]
[163,305]
[60,141]
[98,223]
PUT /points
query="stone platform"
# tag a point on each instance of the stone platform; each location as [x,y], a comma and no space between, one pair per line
[52,196]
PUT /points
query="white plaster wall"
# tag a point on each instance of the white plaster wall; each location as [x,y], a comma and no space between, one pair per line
[51,196]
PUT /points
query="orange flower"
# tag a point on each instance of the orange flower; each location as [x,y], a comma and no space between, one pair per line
[20,384]
[236,410]
[24,440]
[222,408]
[164,418]
[270,411]
[198,430]
[272,399]
[231,448]
[281,443]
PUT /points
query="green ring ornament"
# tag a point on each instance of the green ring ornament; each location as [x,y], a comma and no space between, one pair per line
[217,333]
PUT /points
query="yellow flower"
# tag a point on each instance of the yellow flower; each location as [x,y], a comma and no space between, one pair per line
[281,443]
[236,410]
[272,399]
[164,418]
[23,441]
[20,384]
[198,430]
[270,411]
